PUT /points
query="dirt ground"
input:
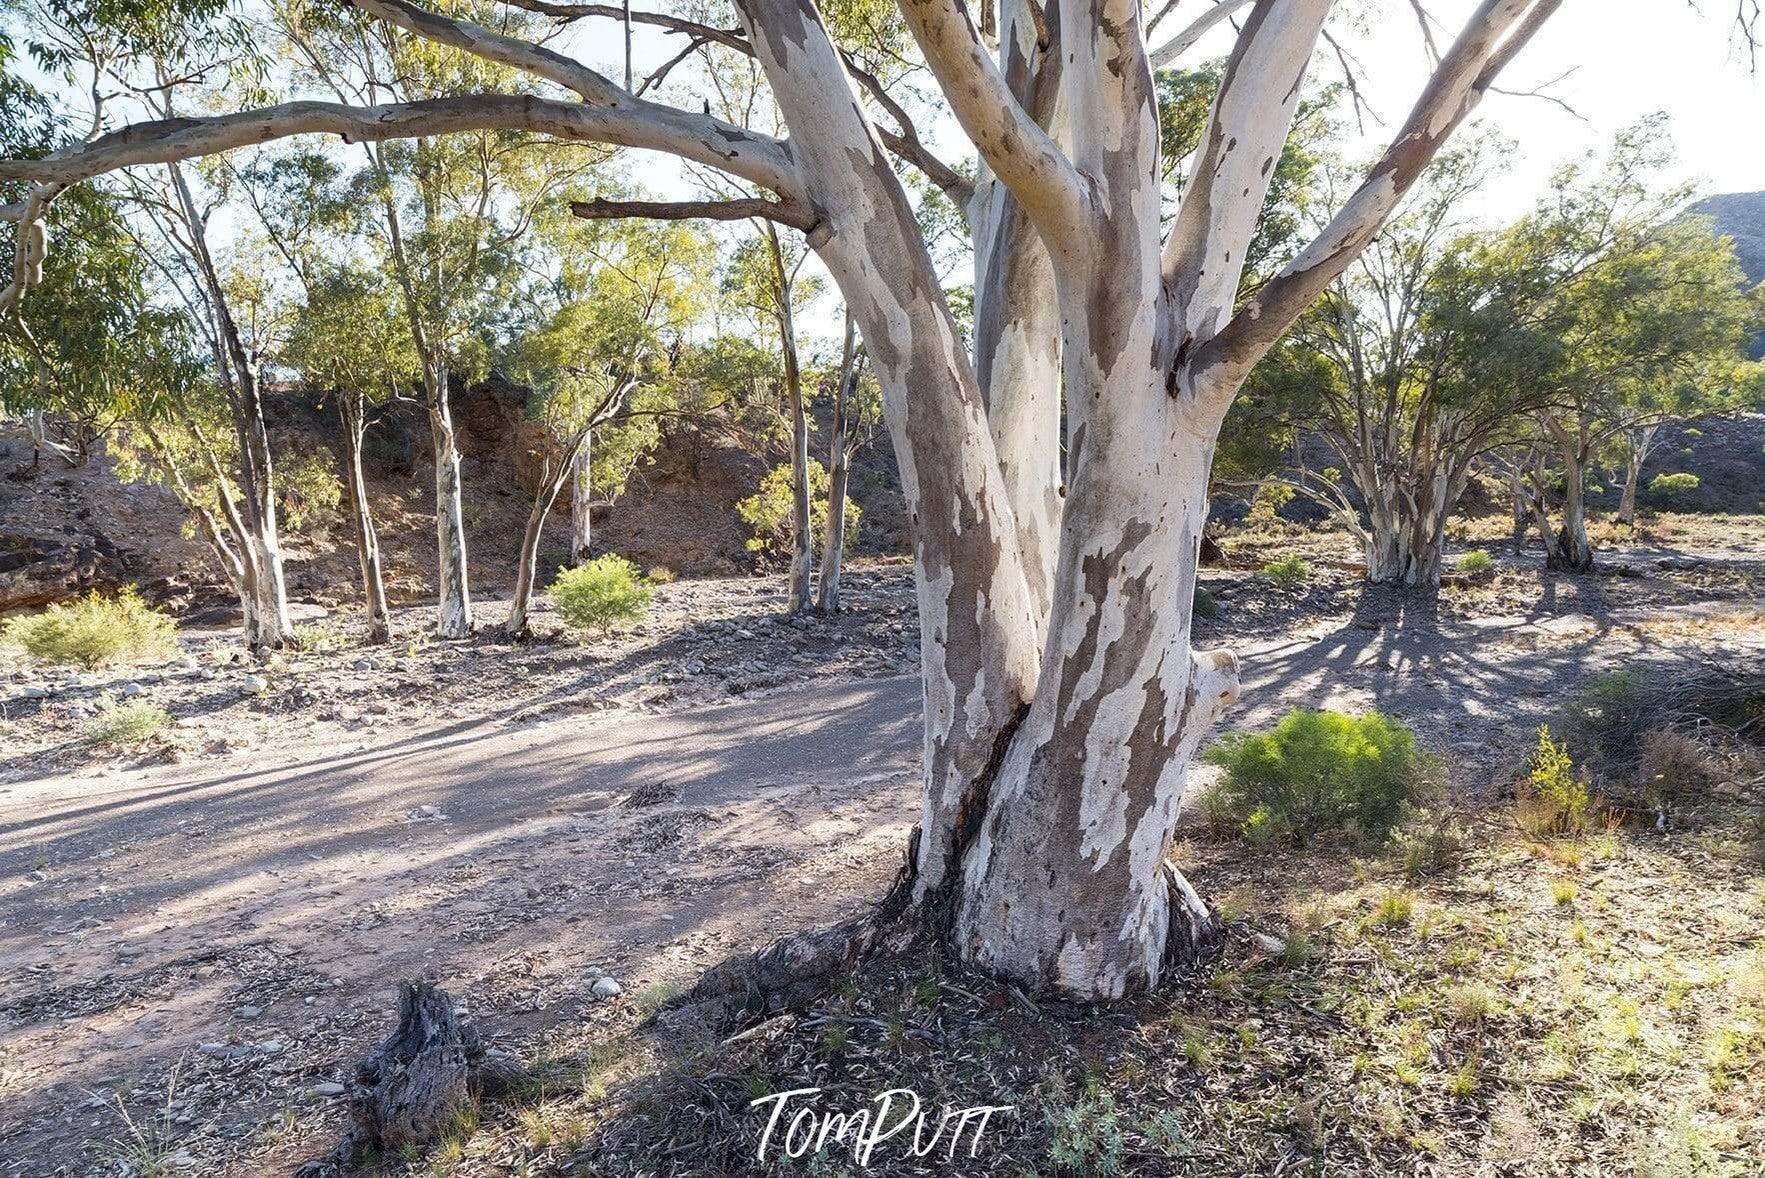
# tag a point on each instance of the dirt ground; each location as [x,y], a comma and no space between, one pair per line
[197,938]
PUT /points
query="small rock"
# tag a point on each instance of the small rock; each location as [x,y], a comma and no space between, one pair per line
[249,1012]
[270,1047]
[132,689]
[366,664]
[605,987]
[254,684]
[35,692]
[1272,945]
[328,1088]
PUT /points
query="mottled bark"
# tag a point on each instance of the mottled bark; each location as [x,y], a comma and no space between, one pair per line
[799,581]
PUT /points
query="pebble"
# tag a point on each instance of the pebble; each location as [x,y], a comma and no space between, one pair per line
[255,684]
[34,692]
[426,812]
[328,1088]
[249,1012]
[605,987]
[133,689]
[366,664]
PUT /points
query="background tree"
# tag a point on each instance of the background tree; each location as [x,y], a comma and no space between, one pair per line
[1627,313]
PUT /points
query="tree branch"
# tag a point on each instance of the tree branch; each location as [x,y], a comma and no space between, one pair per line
[1021,154]
[1466,72]
[794,214]
[1251,118]
[756,158]
[492,46]
[1198,28]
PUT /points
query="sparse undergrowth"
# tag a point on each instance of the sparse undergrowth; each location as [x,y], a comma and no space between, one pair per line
[1510,1014]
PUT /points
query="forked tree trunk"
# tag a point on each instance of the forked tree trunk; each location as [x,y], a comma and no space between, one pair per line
[581,497]
[827,586]
[553,476]
[454,607]
[367,540]
[1637,444]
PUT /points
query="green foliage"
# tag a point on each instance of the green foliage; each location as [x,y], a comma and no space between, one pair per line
[1673,484]
[1205,605]
[1289,572]
[95,631]
[1317,772]
[606,593]
[308,491]
[1087,1134]
[127,723]
[1557,800]
[1476,562]
[768,511]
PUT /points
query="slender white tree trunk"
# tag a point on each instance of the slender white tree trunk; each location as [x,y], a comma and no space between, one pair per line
[827,586]
[581,494]
[551,483]
[454,608]
[1574,550]
[367,539]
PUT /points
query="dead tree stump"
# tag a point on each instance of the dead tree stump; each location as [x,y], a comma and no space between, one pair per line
[410,1089]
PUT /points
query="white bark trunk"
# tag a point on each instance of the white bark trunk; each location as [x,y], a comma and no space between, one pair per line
[367,539]
[454,607]
[827,586]
[551,482]
[581,497]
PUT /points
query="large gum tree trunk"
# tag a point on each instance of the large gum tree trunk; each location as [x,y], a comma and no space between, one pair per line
[1574,551]
[367,539]
[454,607]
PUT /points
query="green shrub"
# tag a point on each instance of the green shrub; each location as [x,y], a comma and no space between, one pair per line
[1476,562]
[1554,800]
[606,592]
[94,631]
[308,491]
[129,723]
[660,575]
[1290,572]
[1205,605]
[1673,484]
[768,511]
[1317,772]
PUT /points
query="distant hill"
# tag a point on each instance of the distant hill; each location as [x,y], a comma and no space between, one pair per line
[1741,215]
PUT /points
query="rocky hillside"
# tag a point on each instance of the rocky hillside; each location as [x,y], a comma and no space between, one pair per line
[64,529]
[1741,215]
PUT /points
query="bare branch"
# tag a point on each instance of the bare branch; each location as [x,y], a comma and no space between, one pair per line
[1496,32]
[504,50]
[757,158]
[1023,155]
[1198,28]
[796,215]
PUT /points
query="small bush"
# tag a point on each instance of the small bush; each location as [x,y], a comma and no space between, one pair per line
[1429,843]
[660,575]
[1476,562]
[768,511]
[1317,772]
[1206,606]
[1554,801]
[320,637]
[95,631]
[604,593]
[1290,572]
[129,723]
[1673,484]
